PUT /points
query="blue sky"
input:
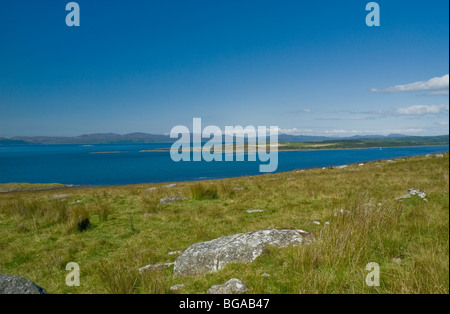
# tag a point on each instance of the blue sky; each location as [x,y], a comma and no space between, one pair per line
[308,67]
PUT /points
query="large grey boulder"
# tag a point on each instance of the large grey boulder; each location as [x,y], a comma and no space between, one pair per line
[209,257]
[18,285]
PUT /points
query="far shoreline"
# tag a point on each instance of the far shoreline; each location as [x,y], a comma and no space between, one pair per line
[357,148]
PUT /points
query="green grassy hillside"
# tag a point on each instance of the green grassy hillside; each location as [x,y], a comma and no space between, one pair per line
[129,229]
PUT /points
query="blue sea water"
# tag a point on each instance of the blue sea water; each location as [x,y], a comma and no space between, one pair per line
[127,164]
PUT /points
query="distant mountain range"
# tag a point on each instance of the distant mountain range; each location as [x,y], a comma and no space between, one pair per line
[97,138]
[111,138]
[307,138]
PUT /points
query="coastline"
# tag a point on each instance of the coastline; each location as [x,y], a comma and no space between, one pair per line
[203,179]
[357,148]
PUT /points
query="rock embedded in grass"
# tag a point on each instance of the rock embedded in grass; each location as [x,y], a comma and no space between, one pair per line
[170,200]
[59,197]
[252,211]
[233,286]
[340,211]
[414,192]
[155,267]
[175,252]
[212,256]
[18,285]
[178,287]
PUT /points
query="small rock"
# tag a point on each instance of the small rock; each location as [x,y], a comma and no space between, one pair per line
[390,161]
[397,260]
[176,253]
[412,192]
[403,197]
[233,286]
[340,212]
[327,223]
[169,186]
[150,190]
[76,202]
[251,211]
[238,189]
[361,165]
[265,275]
[59,197]
[147,215]
[316,223]
[419,193]
[18,285]
[170,200]
[439,156]
[178,287]
[155,267]
[341,167]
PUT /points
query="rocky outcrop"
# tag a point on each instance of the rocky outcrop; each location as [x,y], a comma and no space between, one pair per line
[233,286]
[209,257]
[413,192]
[18,285]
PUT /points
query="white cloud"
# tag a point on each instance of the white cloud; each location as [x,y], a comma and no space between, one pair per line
[294,131]
[372,132]
[439,86]
[421,110]
[439,93]
[300,111]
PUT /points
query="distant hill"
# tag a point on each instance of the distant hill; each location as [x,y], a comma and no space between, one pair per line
[112,138]
[309,139]
[5,141]
[370,142]
[98,138]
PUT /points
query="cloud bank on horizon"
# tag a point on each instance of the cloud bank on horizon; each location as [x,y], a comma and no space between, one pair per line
[436,86]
